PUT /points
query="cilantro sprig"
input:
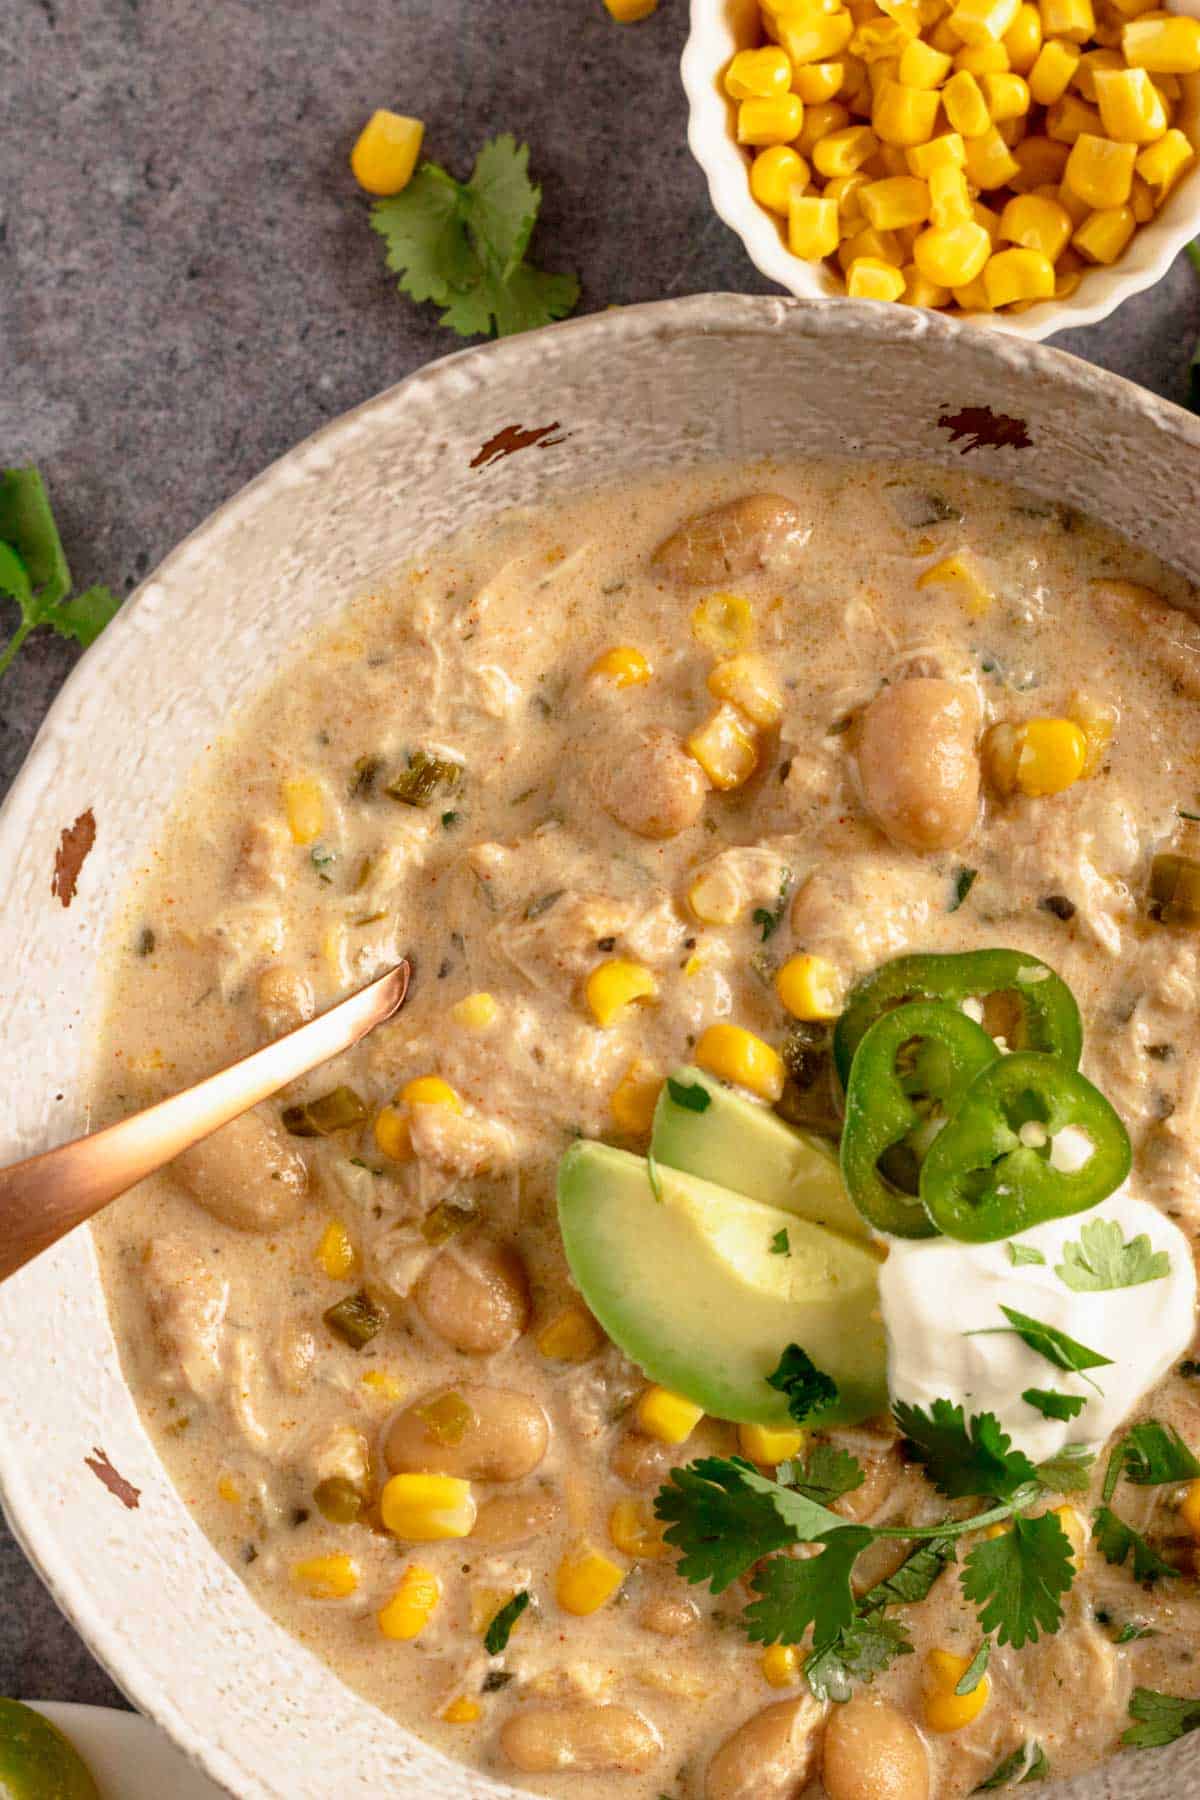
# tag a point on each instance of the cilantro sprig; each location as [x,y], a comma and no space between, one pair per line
[725,1517]
[34,572]
[462,244]
[1149,1455]
[1102,1260]
[1161,1718]
[809,1390]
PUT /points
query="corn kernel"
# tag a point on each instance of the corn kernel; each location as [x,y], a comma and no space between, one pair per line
[982,59]
[972,296]
[725,747]
[411,1606]
[1099,172]
[883,246]
[635,1097]
[385,155]
[392,1134]
[1164,46]
[813,37]
[1012,131]
[781,1665]
[623,665]
[616,984]
[723,623]
[749,683]
[426,1508]
[842,152]
[921,66]
[945,152]
[667,1417]
[1160,165]
[990,162]
[810,987]
[1013,275]
[1040,163]
[1069,200]
[1074,20]
[1007,96]
[1131,107]
[919,292]
[960,576]
[900,200]
[776,174]
[1073,1524]
[904,115]
[1098,721]
[304,805]
[335,1252]
[944,1709]
[819,122]
[952,255]
[430,1090]
[586,1581]
[475,1012]
[463,1711]
[636,1532]
[736,1055]
[573,1337]
[1051,756]
[227,1490]
[881,72]
[1036,224]
[869,279]
[1189,1509]
[1141,201]
[769,1444]
[379,1382]
[1090,64]
[775,121]
[983,21]
[890,162]
[966,108]
[1070,117]
[326,1577]
[758,74]
[1103,235]
[625,12]
[1053,72]
[1023,39]
[818,81]
[943,37]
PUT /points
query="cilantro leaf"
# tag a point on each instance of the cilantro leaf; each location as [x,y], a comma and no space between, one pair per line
[495,1639]
[1115,1539]
[794,1593]
[1053,1405]
[963,1460]
[975,1670]
[1068,1472]
[1046,1340]
[689,1094]
[1016,1581]
[1161,1719]
[1102,1260]
[1028,1762]
[866,1647]
[34,572]
[808,1388]
[964,881]
[462,244]
[914,1579]
[769,921]
[1150,1455]
[1020,1254]
[781,1243]
[826,1474]
[724,1516]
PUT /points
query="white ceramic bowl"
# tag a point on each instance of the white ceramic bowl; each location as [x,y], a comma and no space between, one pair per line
[645,388]
[719,28]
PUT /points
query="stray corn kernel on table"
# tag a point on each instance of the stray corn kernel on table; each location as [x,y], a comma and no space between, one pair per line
[192,287]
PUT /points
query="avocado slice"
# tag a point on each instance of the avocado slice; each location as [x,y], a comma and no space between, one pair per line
[690,1289]
[36,1761]
[743,1145]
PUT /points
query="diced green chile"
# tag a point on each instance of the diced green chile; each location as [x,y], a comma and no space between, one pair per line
[980,1182]
[914,1063]
[424,777]
[339,1110]
[1175,889]
[355,1319]
[1048,1018]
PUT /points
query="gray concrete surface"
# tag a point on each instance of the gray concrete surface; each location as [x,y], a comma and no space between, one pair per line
[188,285]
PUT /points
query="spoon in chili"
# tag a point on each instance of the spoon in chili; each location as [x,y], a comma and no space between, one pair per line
[46,1196]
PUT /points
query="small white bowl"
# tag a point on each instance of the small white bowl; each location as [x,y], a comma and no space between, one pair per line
[719,28]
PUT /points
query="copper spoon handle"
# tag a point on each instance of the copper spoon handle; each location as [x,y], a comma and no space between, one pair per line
[47,1196]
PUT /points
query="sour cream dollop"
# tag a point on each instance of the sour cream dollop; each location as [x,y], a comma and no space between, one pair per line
[937,1290]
